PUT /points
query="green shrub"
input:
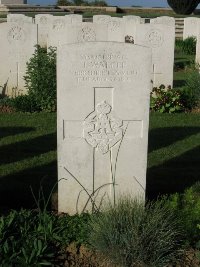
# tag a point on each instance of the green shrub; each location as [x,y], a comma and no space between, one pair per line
[133,235]
[187,208]
[190,93]
[187,46]
[40,79]
[185,7]
[30,238]
[165,100]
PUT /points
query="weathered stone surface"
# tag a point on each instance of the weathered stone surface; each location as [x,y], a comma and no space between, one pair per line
[130,27]
[161,39]
[19,18]
[102,19]
[103,110]
[170,21]
[17,46]
[43,21]
[116,30]
[73,18]
[190,27]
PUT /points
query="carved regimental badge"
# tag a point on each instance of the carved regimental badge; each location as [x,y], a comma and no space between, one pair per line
[16,34]
[102,130]
[43,20]
[58,25]
[86,34]
[114,25]
[154,38]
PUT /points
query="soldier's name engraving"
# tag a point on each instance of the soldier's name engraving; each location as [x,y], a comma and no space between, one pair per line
[105,67]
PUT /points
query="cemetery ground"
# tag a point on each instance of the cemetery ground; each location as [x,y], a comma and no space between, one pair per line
[28,155]
[28,169]
[28,160]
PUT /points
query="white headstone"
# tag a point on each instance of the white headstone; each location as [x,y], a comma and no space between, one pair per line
[161,39]
[88,32]
[17,46]
[103,112]
[190,27]
[74,18]
[19,18]
[116,30]
[198,45]
[43,21]
[57,31]
[102,19]
[78,32]
[130,27]
[164,20]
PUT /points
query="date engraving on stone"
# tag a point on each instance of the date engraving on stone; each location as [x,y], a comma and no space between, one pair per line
[154,38]
[16,34]
[86,34]
[102,129]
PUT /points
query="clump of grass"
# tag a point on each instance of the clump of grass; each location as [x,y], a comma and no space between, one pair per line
[131,234]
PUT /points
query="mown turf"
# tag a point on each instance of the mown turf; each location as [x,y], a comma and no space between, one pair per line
[174,153]
[28,155]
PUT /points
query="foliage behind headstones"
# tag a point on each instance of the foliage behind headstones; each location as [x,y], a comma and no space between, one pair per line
[40,78]
[185,7]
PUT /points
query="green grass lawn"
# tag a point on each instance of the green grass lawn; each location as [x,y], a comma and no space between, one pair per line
[28,155]
[181,61]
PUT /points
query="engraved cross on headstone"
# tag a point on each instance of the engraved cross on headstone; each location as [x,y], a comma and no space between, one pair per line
[104,131]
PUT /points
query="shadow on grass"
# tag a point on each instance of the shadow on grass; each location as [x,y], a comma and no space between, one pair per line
[11,131]
[179,83]
[163,137]
[174,175]
[27,149]
[15,189]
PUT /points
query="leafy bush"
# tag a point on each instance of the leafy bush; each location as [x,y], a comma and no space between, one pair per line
[187,208]
[165,100]
[132,235]
[185,7]
[187,46]
[30,238]
[40,79]
[190,93]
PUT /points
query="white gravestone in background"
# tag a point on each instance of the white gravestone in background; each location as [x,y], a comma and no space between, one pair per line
[161,39]
[103,113]
[19,18]
[170,21]
[17,47]
[87,32]
[43,21]
[74,18]
[57,31]
[61,29]
[116,30]
[198,44]
[190,27]
[102,19]
[130,27]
